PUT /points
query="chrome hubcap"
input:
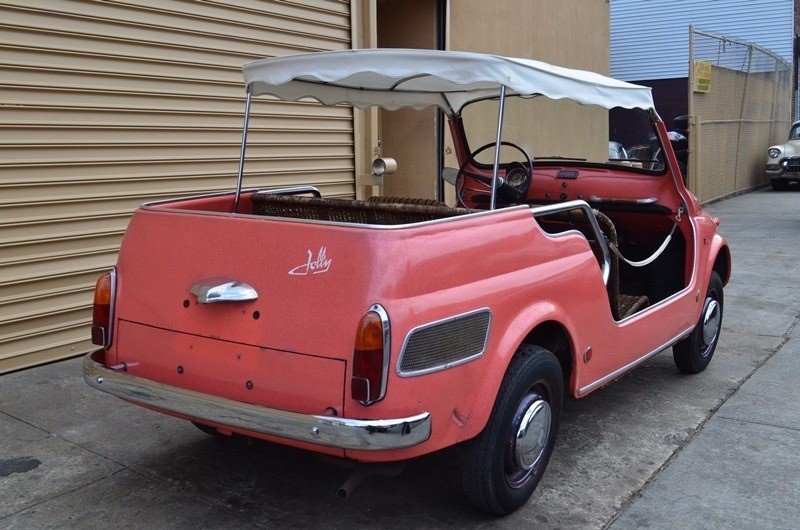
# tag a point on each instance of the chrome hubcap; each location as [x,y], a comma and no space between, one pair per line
[531,437]
[711,320]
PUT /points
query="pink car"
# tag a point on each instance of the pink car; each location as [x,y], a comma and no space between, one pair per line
[384,329]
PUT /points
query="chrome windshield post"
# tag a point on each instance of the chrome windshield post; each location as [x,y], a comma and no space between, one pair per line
[244,145]
[497,145]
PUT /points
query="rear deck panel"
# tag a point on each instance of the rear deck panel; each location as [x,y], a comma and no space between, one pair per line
[251,374]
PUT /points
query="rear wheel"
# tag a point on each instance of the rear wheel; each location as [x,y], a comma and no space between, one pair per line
[505,462]
[694,353]
[779,184]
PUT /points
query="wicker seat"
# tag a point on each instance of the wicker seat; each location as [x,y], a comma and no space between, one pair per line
[375,212]
[406,200]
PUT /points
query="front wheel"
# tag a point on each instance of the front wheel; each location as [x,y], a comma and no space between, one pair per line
[694,353]
[506,461]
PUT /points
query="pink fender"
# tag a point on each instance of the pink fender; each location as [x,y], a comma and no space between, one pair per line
[528,319]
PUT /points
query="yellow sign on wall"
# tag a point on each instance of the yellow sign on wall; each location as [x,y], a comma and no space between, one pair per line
[702,76]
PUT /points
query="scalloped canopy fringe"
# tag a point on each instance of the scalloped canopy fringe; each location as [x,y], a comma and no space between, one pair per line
[395,78]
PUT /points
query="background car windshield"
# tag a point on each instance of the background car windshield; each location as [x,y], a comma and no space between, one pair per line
[564,129]
[794,134]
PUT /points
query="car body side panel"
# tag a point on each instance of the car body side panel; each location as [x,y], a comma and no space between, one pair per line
[420,274]
[555,278]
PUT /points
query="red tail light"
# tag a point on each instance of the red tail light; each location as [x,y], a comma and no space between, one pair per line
[371,357]
[103,307]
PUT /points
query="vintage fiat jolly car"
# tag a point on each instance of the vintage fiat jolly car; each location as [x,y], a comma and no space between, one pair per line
[383,329]
[783,161]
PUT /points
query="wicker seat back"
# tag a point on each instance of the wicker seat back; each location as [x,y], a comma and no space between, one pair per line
[350,211]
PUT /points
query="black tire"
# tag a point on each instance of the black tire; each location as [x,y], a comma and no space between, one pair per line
[492,478]
[779,184]
[694,353]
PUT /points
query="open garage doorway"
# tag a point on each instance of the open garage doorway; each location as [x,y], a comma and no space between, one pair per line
[413,138]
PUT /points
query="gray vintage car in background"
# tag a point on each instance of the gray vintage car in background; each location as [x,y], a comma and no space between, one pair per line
[783,161]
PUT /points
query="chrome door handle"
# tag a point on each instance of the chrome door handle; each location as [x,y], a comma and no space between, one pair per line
[220,289]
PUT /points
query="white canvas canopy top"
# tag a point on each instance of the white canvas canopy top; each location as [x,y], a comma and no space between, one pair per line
[394,78]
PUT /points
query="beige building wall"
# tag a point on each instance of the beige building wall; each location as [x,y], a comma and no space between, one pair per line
[569,33]
[737,120]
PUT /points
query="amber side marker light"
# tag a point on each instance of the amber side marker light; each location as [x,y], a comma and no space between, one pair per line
[371,357]
[103,305]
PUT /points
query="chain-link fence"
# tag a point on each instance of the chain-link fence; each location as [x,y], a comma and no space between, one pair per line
[739,105]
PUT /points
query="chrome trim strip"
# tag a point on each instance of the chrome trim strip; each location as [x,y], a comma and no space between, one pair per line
[295,190]
[111,310]
[587,210]
[387,352]
[149,205]
[441,367]
[616,373]
[622,201]
[331,431]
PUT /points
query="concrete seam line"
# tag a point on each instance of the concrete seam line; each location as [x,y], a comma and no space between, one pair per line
[762,423]
[59,495]
[637,494]
[145,476]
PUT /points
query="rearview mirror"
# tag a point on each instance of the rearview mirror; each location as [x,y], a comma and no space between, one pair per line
[449,174]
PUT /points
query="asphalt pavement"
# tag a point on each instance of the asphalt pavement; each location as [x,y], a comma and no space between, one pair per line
[656,448]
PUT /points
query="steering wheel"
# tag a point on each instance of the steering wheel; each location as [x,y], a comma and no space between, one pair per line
[509,190]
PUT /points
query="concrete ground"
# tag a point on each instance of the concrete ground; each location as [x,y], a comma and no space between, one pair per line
[656,448]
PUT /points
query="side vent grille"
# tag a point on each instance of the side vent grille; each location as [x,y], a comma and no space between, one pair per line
[446,343]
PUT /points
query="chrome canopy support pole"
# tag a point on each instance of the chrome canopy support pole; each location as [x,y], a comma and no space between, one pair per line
[497,145]
[244,145]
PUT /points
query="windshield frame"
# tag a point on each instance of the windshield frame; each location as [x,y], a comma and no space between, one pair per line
[457,119]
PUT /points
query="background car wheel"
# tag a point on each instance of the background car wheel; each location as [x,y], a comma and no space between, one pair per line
[505,462]
[693,353]
[779,184]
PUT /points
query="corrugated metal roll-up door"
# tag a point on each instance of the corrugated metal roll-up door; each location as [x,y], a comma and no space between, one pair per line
[105,105]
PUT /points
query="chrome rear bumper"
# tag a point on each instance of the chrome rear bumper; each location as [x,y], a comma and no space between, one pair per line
[330,431]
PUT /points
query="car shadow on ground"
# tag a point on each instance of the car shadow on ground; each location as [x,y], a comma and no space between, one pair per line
[260,483]
[268,484]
